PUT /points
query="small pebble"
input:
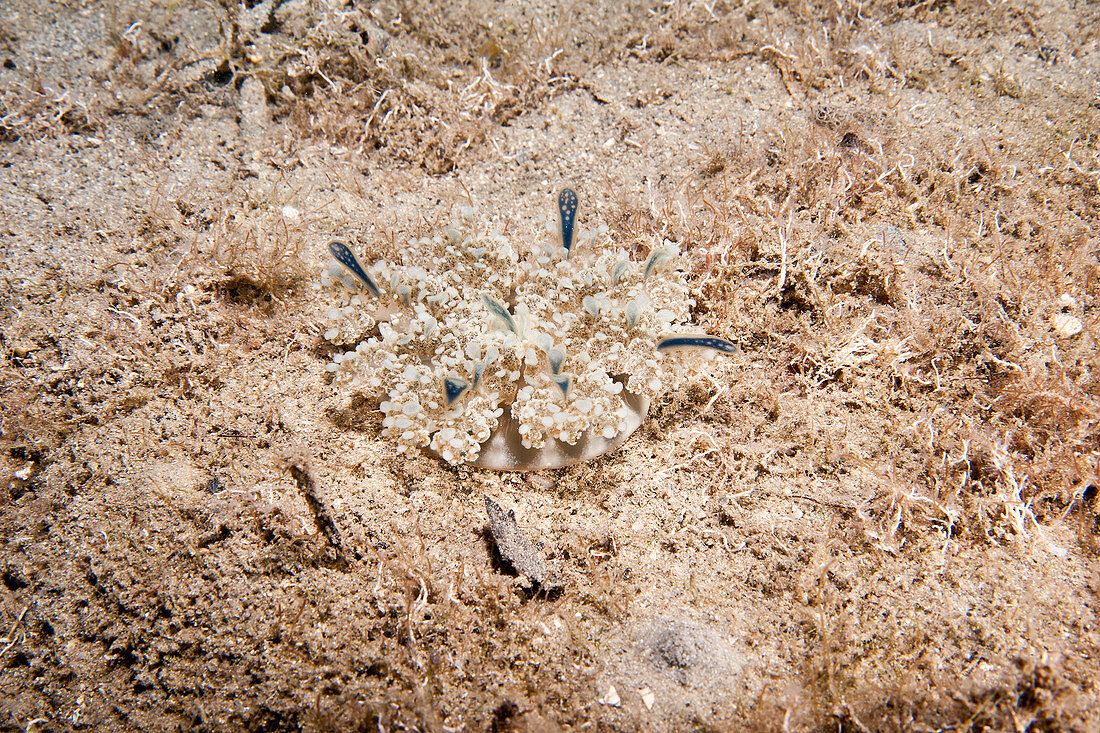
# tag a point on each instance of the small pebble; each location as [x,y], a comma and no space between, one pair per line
[1066,325]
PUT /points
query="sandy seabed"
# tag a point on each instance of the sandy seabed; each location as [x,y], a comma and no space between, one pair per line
[881,514]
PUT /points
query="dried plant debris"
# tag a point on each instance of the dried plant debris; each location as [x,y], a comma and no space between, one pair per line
[298,464]
[518,551]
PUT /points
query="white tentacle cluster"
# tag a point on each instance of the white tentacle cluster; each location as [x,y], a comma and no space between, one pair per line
[515,352]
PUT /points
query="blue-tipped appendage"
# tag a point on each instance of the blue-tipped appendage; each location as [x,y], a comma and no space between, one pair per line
[454,388]
[697,342]
[567,208]
[500,311]
[347,258]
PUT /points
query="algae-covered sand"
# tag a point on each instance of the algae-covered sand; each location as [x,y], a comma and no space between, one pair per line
[881,514]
